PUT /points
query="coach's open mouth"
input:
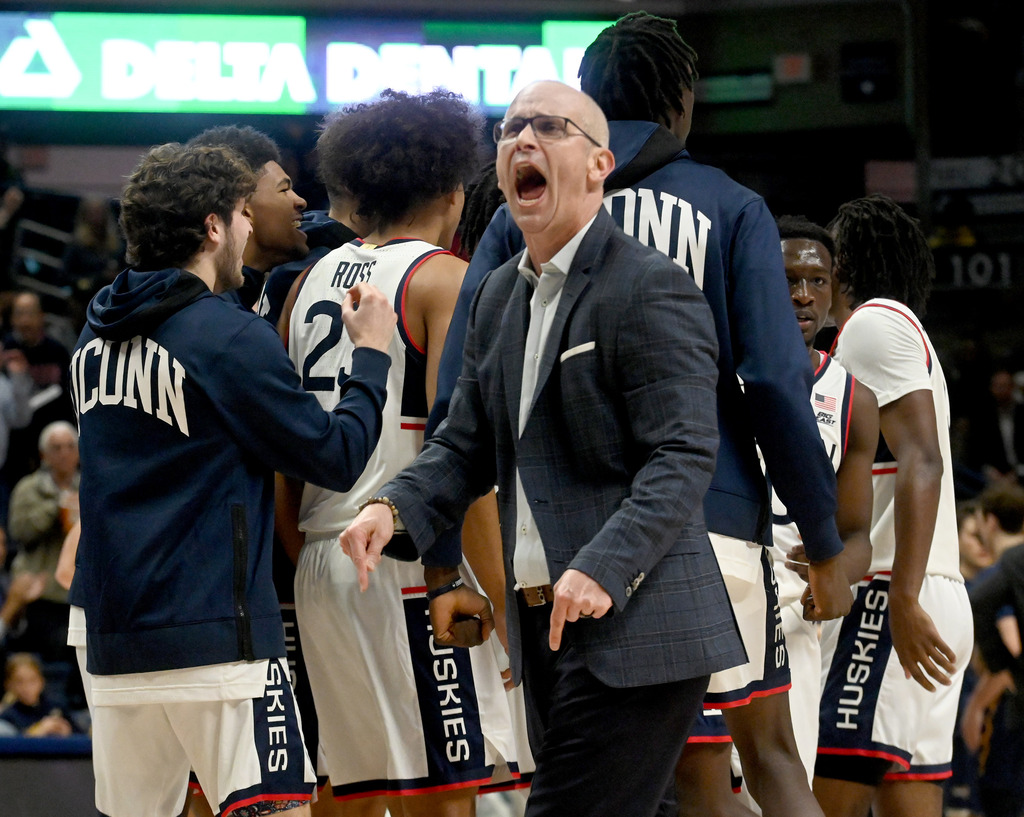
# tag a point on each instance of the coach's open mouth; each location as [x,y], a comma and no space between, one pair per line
[530,183]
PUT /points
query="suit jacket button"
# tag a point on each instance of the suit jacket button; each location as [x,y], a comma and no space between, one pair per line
[629,592]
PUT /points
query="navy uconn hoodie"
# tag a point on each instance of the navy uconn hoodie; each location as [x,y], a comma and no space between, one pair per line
[187,404]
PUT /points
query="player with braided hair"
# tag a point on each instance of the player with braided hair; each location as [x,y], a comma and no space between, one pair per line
[883,253]
[647,54]
[635,69]
[483,197]
[895,665]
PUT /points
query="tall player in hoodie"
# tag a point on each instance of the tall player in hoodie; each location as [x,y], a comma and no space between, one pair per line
[641,74]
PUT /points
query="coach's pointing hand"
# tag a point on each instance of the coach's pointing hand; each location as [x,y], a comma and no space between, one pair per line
[576,596]
[365,538]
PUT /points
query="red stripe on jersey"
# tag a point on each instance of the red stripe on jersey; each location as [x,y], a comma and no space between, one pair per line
[849,414]
[399,791]
[865,753]
[510,786]
[757,693]
[405,290]
[919,775]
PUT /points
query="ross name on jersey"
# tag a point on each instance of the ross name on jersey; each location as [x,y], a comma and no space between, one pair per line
[348,273]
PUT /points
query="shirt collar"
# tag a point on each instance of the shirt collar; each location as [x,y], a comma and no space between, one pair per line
[560,262]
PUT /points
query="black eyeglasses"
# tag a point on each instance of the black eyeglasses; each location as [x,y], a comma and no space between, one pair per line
[547,128]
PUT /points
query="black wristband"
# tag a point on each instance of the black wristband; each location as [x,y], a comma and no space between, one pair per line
[455,584]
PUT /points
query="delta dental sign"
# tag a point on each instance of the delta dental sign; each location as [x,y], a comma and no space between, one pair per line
[263,64]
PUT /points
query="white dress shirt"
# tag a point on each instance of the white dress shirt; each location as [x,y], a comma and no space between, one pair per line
[529,563]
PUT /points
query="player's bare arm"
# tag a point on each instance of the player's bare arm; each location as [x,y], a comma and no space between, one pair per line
[828,594]
[287,500]
[910,430]
[463,617]
[285,321]
[481,548]
[430,301]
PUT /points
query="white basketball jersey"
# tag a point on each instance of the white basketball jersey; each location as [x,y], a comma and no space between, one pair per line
[832,401]
[321,350]
[885,347]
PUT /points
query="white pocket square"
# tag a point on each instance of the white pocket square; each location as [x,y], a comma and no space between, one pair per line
[576,350]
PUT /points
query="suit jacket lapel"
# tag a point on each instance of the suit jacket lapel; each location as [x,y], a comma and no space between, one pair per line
[576,283]
[515,321]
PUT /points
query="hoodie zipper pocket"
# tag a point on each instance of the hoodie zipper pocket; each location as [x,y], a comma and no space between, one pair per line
[240,543]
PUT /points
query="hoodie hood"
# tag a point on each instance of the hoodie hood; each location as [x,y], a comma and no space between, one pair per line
[136,302]
[323,231]
[640,148]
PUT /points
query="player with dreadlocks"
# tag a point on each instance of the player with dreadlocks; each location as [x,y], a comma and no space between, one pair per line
[882,253]
[895,665]
[636,69]
[641,73]
[483,197]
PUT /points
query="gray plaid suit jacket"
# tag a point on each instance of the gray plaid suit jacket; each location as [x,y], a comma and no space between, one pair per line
[615,458]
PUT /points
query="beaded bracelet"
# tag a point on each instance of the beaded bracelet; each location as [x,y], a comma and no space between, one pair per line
[455,584]
[380,500]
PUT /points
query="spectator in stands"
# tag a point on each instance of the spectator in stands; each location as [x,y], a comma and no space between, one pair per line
[48,362]
[26,706]
[44,506]
[961,790]
[16,388]
[993,718]
[974,555]
[10,202]
[15,595]
[995,437]
[11,199]
[94,256]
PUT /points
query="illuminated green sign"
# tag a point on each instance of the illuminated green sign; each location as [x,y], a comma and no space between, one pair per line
[256,65]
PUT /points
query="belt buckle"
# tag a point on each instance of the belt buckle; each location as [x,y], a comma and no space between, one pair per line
[538,595]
